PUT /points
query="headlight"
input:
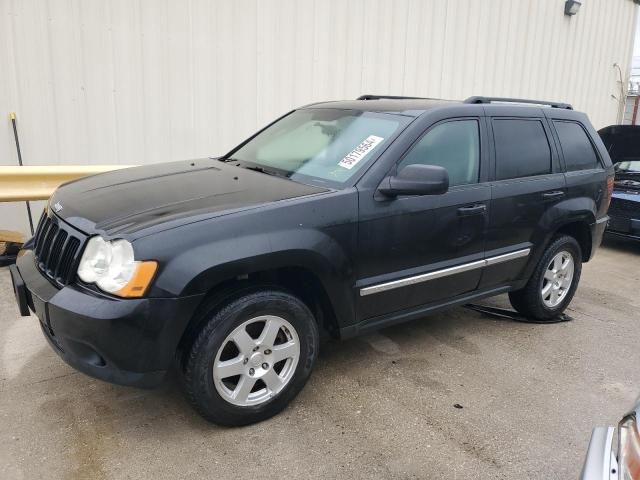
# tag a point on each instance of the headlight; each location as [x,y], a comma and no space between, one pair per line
[112,267]
[629,448]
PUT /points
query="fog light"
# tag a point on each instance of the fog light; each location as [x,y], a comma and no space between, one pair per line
[571,7]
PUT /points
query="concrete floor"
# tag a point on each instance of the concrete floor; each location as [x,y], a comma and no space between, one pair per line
[376,407]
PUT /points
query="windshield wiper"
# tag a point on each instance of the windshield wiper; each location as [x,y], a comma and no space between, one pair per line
[255,168]
[262,170]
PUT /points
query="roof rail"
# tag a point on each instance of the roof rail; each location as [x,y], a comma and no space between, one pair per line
[565,106]
[391,97]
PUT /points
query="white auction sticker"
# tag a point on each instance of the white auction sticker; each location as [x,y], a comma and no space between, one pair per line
[358,153]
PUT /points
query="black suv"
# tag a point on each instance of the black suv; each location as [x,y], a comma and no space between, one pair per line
[341,217]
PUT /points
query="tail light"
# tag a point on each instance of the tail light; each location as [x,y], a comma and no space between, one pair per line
[607,199]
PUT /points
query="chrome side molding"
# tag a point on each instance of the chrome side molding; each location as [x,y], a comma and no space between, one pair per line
[507,257]
[445,272]
[425,277]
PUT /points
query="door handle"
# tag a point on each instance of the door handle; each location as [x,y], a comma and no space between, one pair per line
[553,195]
[477,209]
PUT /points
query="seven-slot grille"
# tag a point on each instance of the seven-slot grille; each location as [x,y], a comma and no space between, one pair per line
[56,249]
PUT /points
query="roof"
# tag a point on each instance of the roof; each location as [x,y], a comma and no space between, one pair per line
[415,106]
[412,107]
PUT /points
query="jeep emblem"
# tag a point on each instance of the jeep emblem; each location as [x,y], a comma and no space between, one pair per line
[57,207]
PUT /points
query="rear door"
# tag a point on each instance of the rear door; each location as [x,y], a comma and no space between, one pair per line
[527,181]
[585,173]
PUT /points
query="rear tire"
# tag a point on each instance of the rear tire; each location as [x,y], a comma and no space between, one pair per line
[553,282]
[251,358]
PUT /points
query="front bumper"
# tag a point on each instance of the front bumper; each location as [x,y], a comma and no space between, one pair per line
[625,215]
[597,232]
[624,227]
[123,341]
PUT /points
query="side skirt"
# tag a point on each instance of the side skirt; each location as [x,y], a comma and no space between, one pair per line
[375,323]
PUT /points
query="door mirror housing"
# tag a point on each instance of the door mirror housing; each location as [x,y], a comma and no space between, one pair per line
[416,179]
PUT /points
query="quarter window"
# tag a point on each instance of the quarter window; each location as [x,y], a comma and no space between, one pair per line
[522,148]
[453,145]
[576,147]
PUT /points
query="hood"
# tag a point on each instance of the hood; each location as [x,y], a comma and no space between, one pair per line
[169,194]
[622,142]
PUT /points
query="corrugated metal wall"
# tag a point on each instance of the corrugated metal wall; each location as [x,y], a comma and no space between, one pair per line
[141,81]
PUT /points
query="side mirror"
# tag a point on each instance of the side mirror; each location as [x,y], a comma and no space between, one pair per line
[416,180]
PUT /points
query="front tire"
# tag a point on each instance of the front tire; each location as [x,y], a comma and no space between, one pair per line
[553,282]
[251,358]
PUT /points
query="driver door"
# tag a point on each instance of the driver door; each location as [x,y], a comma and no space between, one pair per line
[421,250]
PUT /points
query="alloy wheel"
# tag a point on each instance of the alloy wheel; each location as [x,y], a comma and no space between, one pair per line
[256,361]
[557,279]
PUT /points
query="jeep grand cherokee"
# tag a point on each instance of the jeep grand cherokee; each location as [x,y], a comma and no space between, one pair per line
[342,217]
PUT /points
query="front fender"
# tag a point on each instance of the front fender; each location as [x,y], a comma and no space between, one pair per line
[202,267]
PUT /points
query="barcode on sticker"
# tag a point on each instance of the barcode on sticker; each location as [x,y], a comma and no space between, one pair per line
[358,153]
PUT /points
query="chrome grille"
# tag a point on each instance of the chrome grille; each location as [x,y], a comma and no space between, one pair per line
[56,248]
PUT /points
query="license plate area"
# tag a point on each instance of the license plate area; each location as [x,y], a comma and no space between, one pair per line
[42,312]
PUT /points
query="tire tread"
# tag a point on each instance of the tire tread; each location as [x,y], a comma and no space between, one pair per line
[527,300]
[196,376]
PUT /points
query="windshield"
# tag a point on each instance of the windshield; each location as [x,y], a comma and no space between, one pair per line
[629,166]
[329,146]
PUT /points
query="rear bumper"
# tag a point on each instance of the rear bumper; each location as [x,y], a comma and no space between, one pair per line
[597,232]
[123,341]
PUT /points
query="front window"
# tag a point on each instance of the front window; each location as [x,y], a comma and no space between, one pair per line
[453,145]
[323,146]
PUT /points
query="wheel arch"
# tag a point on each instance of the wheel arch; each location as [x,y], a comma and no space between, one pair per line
[581,231]
[572,217]
[302,281]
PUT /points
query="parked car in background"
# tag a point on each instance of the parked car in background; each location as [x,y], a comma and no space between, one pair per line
[10,244]
[615,457]
[623,144]
[344,216]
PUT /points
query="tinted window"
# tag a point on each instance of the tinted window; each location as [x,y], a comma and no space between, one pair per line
[326,145]
[452,145]
[576,147]
[522,149]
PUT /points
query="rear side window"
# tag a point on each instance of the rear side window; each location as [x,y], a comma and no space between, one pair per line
[522,148]
[576,147]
